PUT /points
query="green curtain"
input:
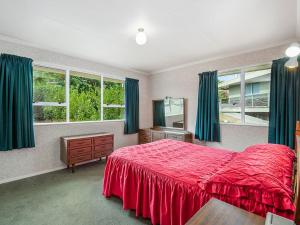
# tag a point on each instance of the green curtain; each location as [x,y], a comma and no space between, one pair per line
[159,113]
[131,106]
[207,121]
[16,117]
[284,103]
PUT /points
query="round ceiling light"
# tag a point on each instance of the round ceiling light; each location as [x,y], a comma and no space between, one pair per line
[293,50]
[292,62]
[141,37]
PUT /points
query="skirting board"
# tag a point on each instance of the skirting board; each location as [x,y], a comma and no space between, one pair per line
[41,172]
[31,175]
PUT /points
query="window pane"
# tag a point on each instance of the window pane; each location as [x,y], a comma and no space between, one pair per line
[85,91]
[113,113]
[48,114]
[49,85]
[229,97]
[114,92]
[257,101]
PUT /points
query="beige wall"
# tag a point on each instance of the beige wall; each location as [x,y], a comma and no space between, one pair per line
[45,156]
[183,82]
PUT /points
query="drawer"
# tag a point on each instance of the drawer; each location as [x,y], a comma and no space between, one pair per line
[102,153]
[103,140]
[144,132]
[80,151]
[79,143]
[158,136]
[175,137]
[80,158]
[144,141]
[144,137]
[103,148]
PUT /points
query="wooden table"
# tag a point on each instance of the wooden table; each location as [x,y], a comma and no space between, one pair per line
[216,212]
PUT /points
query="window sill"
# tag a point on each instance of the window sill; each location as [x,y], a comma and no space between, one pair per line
[244,124]
[79,122]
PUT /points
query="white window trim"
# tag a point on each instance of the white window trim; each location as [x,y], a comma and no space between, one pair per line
[68,95]
[77,122]
[245,124]
[242,94]
[79,70]
[242,100]
[113,106]
[244,67]
[101,100]
[66,104]
[49,104]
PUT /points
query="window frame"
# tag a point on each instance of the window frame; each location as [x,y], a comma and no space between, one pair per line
[243,71]
[110,105]
[54,104]
[66,104]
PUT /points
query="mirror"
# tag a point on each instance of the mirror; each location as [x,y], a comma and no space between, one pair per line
[169,113]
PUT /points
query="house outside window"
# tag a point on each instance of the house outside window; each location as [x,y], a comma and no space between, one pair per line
[244,95]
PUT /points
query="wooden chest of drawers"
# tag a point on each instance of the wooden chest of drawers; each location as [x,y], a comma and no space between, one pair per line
[144,136]
[83,148]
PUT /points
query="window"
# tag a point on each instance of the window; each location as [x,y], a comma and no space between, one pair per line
[85,91]
[63,96]
[230,97]
[244,95]
[257,98]
[49,95]
[113,99]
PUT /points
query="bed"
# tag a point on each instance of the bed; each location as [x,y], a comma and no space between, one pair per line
[168,181]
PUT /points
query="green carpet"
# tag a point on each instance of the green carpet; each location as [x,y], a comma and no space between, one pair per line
[63,198]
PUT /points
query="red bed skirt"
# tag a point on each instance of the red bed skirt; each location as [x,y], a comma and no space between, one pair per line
[152,195]
[167,200]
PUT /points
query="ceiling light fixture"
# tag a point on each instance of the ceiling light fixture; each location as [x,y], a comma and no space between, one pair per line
[293,50]
[292,62]
[141,37]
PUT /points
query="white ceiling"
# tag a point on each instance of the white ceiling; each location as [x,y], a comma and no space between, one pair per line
[179,31]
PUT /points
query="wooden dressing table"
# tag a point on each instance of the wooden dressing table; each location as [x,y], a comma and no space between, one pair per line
[155,134]
[169,121]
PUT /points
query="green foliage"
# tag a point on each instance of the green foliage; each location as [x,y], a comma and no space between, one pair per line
[113,93]
[84,99]
[84,106]
[85,95]
[50,113]
[113,113]
[48,87]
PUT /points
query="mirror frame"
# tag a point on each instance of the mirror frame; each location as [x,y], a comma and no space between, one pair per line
[184,114]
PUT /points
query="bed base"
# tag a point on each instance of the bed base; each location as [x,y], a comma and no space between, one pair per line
[296,176]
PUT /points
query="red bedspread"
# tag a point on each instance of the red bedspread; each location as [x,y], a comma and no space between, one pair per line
[168,181]
[258,180]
